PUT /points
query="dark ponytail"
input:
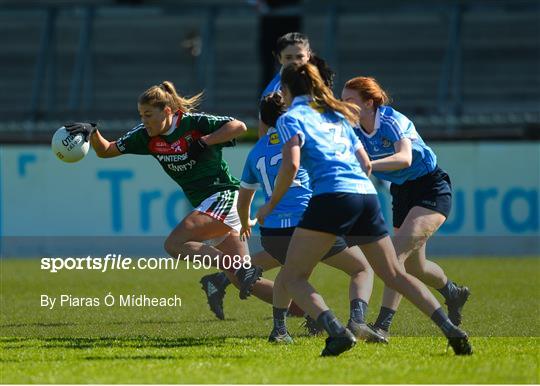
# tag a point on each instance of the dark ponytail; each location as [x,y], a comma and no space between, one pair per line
[326,72]
[271,108]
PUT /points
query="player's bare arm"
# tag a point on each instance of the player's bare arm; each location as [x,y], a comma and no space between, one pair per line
[245,197]
[102,147]
[289,167]
[364,160]
[400,160]
[225,133]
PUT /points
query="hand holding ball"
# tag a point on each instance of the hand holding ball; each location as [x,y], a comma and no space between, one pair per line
[70,142]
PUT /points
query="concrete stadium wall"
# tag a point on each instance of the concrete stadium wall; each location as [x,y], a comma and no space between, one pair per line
[44,201]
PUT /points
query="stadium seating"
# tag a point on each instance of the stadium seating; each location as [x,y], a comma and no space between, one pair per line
[137,46]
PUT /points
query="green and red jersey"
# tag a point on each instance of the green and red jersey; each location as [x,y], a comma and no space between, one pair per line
[199,178]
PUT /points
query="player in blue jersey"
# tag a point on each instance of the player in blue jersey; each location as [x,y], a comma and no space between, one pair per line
[316,132]
[292,47]
[260,171]
[421,192]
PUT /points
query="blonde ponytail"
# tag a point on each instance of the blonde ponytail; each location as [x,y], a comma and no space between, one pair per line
[165,94]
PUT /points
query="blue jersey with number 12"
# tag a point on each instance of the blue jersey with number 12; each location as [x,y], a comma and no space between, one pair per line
[261,169]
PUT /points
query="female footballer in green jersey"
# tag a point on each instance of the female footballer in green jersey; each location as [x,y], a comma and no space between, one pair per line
[188,146]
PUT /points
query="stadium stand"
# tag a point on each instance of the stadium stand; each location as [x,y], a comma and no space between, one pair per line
[453,66]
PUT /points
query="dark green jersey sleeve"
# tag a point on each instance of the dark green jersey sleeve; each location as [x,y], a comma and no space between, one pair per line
[134,141]
[207,124]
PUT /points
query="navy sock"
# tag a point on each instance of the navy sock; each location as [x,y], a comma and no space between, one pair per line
[384,320]
[358,310]
[446,326]
[449,290]
[280,315]
[222,280]
[330,323]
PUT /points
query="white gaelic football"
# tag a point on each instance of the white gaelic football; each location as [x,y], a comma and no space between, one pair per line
[69,147]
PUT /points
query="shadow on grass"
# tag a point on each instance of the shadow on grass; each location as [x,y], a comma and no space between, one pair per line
[125,346]
[128,357]
[38,324]
[114,342]
[135,342]
[146,357]
[119,323]
[161,357]
[206,321]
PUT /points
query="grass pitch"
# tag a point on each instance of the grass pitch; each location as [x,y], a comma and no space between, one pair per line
[188,345]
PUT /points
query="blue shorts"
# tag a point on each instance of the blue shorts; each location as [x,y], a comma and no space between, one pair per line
[355,217]
[432,191]
[276,241]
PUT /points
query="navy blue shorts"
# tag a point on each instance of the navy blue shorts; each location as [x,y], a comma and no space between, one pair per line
[276,241]
[432,191]
[355,217]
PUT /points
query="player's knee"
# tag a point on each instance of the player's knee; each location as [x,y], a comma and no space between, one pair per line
[392,276]
[358,268]
[401,281]
[418,242]
[414,267]
[367,270]
[174,246]
[291,278]
[175,242]
[291,285]
[170,246]
[421,232]
[409,245]
[279,281]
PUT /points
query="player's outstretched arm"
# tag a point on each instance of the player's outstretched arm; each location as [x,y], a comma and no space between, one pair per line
[225,133]
[102,147]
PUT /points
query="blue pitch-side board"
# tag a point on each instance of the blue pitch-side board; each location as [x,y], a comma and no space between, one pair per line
[496,196]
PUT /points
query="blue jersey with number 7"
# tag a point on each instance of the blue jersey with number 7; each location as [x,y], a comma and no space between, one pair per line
[328,145]
[260,171]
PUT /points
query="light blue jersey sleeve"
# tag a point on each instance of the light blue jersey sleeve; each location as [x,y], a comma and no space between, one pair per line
[287,127]
[249,178]
[273,86]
